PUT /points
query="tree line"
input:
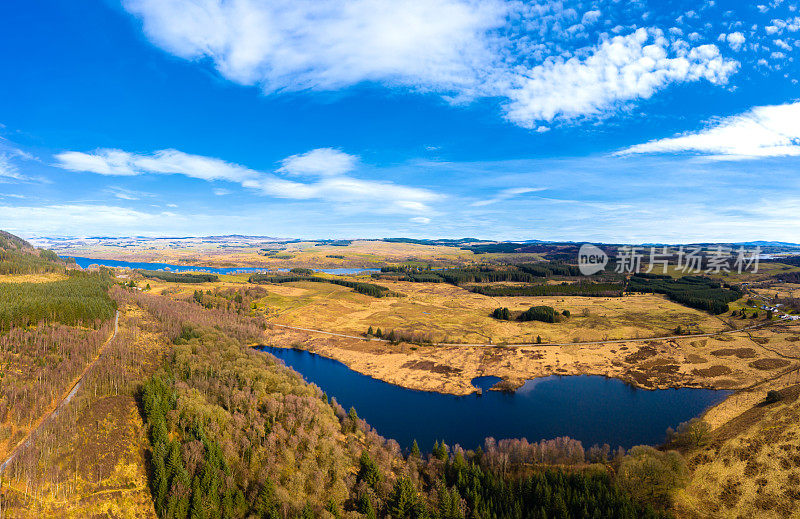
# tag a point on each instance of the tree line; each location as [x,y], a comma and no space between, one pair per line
[585,288]
[369,289]
[693,291]
[175,277]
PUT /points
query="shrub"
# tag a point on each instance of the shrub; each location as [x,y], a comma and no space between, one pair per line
[692,434]
[502,313]
[651,475]
[772,397]
[546,314]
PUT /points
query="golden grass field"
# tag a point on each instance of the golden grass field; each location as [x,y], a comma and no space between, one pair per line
[451,314]
[751,467]
[482,345]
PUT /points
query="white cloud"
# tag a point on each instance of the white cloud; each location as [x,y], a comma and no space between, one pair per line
[327,167]
[319,162]
[621,69]
[735,40]
[590,17]
[123,163]
[420,219]
[221,192]
[517,52]
[782,44]
[301,44]
[766,131]
[506,194]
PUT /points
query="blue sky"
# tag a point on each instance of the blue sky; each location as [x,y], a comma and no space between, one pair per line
[592,120]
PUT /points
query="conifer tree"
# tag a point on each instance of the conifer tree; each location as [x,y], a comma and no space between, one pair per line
[415,450]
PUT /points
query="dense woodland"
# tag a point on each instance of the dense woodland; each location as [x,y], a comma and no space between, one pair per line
[48,332]
[458,276]
[693,291]
[529,273]
[369,289]
[174,277]
[36,365]
[19,257]
[587,289]
[239,300]
[788,277]
[82,299]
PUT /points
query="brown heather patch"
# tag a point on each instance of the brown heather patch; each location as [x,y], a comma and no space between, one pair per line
[713,371]
[645,352]
[742,353]
[771,363]
[429,365]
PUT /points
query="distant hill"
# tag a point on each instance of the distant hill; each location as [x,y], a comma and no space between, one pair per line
[17,256]
[10,242]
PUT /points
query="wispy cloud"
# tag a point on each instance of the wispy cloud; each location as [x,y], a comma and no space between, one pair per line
[537,59]
[66,218]
[765,131]
[127,194]
[506,194]
[326,172]
[8,171]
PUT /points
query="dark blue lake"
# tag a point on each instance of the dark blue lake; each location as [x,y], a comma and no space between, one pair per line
[591,409]
[85,262]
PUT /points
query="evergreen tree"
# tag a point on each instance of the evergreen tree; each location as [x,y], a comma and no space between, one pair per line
[415,450]
[403,500]
[368,471]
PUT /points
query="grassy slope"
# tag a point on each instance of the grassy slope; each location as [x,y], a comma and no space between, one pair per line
[752,466]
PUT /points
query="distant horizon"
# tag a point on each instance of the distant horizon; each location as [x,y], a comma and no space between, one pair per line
[278,239]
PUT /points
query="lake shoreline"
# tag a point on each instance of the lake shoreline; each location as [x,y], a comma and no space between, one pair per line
[430,368]
[577,406]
